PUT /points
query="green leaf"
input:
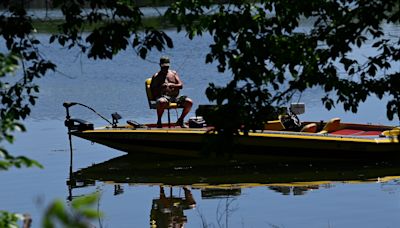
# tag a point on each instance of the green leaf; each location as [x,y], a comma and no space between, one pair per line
[78,216]
[84,201]
[90,213]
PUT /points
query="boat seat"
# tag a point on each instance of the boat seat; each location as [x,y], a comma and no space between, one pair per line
[153,103]
[394,132]
[331,126]
[310,128]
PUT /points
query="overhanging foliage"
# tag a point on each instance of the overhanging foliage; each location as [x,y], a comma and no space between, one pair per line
[271,56]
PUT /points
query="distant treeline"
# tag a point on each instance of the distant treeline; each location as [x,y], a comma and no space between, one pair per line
[37,4]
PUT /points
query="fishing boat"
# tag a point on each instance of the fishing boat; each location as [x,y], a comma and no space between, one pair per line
[330,139]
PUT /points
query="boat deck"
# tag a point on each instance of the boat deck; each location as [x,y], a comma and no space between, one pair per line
[356,132]
[348,132]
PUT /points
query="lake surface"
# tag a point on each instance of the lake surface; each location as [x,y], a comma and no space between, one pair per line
[137,199]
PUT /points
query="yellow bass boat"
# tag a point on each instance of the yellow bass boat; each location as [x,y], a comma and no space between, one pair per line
[331,139]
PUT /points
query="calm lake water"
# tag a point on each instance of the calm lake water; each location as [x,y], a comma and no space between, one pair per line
[136,201]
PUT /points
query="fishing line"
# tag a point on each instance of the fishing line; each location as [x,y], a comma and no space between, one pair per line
[301,94]
[184,61]
[65,75]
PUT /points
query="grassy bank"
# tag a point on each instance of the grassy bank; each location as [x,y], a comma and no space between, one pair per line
[41,4]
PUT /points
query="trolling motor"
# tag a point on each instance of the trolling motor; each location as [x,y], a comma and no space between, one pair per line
[82,125]
[74,124]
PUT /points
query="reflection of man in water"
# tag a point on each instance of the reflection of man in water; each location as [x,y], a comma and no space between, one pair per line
[168,211]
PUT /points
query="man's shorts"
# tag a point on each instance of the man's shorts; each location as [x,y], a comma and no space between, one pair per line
[180,100]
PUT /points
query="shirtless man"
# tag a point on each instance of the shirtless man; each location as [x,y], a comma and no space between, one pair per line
[165,86]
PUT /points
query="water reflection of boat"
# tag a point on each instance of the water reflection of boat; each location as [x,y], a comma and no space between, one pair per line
[223,178]
[222,173]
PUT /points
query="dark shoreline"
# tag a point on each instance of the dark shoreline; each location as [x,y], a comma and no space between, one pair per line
[51,25]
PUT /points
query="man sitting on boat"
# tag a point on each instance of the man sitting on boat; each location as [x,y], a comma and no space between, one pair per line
[165,86]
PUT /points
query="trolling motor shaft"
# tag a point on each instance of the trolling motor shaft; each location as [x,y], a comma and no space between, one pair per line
[81,125]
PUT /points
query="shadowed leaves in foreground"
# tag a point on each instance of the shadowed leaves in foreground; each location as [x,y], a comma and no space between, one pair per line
[80,214]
